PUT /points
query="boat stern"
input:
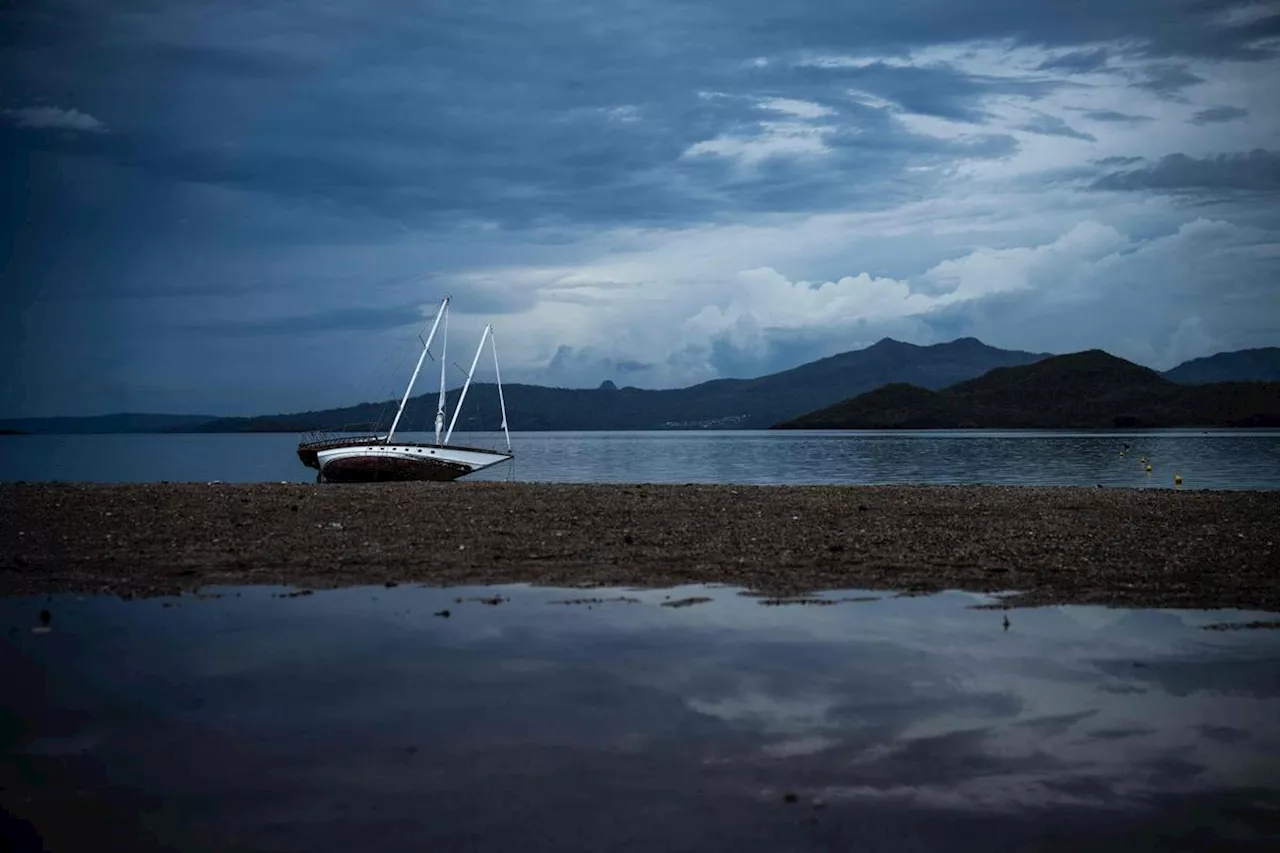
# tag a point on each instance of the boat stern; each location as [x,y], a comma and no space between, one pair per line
[309,456]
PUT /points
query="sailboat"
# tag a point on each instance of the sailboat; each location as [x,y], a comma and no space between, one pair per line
[373,457]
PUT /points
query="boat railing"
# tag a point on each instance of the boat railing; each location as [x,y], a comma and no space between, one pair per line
[345,435]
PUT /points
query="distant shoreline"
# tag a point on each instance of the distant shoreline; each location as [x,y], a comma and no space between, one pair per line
[1149,548]
[777,430]
[890,384]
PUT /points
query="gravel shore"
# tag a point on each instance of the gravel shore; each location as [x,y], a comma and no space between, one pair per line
[1051,545]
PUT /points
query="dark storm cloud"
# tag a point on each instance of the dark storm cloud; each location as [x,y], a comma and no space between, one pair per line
[1054,126]
[937,90]
[1115,117]
[582,164]
[1223,734]
[1257,171]
[1119,161]
[180,149]
[354,319]
[1121,733]
[1214,115]
[1190,28]
[521,162]
[1077,60]
[511,116]
[1168,81]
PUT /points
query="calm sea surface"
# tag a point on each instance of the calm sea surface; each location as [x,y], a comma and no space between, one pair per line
[1212,459]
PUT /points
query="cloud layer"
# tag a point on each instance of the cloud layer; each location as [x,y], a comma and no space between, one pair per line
[656,194]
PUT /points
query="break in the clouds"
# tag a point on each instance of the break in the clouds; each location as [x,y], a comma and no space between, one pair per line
[247,210]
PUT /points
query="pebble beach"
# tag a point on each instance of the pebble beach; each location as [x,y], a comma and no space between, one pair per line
[1133,548]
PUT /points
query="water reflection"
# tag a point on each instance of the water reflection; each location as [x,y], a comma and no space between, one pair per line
[356,719]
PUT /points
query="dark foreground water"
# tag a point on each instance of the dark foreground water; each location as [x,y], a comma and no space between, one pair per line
[1213,459]
[356,720]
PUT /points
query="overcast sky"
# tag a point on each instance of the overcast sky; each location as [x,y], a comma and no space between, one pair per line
[244,208]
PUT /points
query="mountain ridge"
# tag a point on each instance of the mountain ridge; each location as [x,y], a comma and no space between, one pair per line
[718,403]
[1261,364]
[1089,389]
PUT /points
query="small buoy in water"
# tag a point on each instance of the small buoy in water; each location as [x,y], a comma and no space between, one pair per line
[1177,479]
[1148,467]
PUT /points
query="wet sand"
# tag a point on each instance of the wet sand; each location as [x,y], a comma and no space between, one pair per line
[1052,545]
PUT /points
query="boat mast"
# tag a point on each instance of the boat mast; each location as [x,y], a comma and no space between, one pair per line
[458,409]
[493,344]
[444,345]
[425,346]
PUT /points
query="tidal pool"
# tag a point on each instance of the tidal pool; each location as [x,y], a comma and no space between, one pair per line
[549,719]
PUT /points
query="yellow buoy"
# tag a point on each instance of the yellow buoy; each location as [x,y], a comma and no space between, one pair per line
[1148,467]
[1177,479]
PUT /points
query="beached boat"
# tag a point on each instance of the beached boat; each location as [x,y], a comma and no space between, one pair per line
[370,457]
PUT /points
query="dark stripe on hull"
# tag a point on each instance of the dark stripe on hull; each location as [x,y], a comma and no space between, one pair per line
[374,469]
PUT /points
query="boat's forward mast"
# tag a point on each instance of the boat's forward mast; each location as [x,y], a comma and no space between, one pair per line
[426,347]
[442,314]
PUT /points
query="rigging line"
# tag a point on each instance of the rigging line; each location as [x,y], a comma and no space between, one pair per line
[383,378]
[384,369]
[368,379]
[391,379]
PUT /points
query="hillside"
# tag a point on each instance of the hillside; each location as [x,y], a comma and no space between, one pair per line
[1083,390]
[719,404]
[1247,365]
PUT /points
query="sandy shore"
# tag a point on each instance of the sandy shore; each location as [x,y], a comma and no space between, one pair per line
[1054,545]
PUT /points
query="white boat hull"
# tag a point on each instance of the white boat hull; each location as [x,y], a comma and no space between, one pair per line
[373,462]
